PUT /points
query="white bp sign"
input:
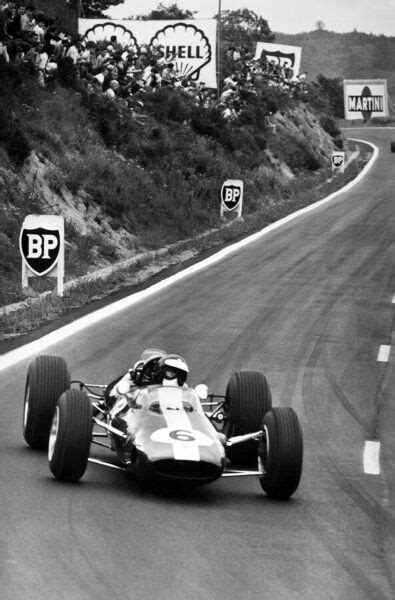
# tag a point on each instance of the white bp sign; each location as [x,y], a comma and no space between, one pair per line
[365,98]
[283,55]
[189,44]
[338,160]
[232,196]
[41,243]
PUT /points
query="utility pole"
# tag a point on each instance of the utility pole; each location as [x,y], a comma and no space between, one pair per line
[219,23]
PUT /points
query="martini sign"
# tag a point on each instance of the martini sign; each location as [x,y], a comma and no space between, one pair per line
[365,98]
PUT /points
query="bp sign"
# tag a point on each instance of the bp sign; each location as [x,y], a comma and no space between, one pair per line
[338,160]
[232,196]
[41,243]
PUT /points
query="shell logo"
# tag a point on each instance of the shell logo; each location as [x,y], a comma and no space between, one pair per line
[103,32]
[186,46]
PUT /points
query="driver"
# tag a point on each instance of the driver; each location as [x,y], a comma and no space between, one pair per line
[141,374]
[154,367]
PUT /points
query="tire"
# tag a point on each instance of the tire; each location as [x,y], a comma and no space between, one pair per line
[281,453]
[248,398]
[47,378]
[392,146]
[71,435]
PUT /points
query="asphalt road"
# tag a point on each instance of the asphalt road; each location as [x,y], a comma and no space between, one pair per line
[309,305]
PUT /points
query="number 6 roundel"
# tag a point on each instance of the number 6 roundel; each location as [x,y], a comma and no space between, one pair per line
[183,436]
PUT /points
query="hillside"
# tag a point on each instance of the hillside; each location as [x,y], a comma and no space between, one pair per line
[138,193]
[352,55]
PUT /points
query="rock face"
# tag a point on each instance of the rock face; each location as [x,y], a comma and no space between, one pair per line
[79,210]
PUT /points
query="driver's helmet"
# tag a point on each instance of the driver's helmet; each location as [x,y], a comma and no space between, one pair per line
[145,370]
[173,370]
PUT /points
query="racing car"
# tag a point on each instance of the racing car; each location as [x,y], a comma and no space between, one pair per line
[171,434]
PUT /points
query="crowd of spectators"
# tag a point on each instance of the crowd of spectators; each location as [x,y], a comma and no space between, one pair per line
[30,39]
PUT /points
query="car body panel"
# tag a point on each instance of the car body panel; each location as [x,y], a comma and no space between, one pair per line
[169,436]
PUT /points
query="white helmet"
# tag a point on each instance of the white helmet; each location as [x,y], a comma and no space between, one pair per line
[172,370]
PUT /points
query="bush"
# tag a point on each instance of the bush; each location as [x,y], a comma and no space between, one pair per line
[330,126]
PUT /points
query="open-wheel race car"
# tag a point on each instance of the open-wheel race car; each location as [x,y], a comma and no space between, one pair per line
[171,434]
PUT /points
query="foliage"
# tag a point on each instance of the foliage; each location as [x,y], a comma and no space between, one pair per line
[12,136]
[163,12]
[332,88]
[244,27]
[92,8]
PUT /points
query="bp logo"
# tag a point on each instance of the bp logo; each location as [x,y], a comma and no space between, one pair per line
[232,194]
[284,59]
[338,159]
[39,246]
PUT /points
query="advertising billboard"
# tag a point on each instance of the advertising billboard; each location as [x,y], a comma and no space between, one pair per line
[189,44]
[365,98]
[285,56]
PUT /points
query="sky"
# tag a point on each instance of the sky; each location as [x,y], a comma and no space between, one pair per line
[288,16]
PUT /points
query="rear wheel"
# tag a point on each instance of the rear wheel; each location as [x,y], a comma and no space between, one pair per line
[281,453]
[47,378]
[392,146]
[71,435]
[248,398]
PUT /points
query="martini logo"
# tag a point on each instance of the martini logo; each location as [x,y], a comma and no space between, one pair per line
[366,103]
[364,98]
[186,46]
[39,248]
[232,194]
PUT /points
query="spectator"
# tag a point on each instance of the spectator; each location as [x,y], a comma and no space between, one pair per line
[74,51]
[112,90]
[27,21]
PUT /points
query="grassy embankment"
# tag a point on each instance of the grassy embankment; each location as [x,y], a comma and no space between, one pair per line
[138,188]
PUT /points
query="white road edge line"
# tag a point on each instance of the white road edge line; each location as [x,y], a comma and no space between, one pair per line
[371,458]
[384,353]
[14,356]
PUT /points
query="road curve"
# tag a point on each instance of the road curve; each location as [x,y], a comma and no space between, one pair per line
[310,305]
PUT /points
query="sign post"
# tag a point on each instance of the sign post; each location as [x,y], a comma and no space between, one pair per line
[41,243]
[337,160]
[232,197]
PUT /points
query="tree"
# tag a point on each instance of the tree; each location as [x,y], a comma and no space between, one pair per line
[332,89]
[92,8]
[243,27]
[320,25]
[163,12]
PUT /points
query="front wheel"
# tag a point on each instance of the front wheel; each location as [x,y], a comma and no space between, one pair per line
[71,435]
[47,378]
[248,398]
[280,453]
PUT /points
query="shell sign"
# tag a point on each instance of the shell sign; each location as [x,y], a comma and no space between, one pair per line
[190,45]
[365,98]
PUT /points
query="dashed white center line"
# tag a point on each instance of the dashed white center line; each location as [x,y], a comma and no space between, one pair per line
[371,458]
[384,353]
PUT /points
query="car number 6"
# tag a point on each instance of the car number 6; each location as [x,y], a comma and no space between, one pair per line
[181,435]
